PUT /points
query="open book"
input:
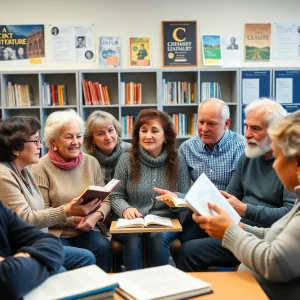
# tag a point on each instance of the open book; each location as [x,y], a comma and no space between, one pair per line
[147,221]
[165,282]
[73,284]
[204,191]
[178,202]
[101,192]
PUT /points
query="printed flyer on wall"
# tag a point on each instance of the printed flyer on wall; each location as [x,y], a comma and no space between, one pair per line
[211,49]
[179,43]
[257,42]
[287,41]
[72,42]
[139,52]
[22,44]
[109,51]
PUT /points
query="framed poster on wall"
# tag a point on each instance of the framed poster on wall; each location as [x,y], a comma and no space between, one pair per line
[179,43]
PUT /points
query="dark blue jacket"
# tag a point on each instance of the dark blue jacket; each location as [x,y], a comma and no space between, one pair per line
[19,275]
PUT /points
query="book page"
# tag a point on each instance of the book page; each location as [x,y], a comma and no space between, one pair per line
[156,220]
[178,202]
[112,184]
[158,282]
[204,191]
[137,222]
[71,283]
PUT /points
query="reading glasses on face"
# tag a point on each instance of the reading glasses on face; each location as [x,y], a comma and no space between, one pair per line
[36,142]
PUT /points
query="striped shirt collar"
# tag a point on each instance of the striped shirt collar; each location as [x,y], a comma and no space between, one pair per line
[219,145]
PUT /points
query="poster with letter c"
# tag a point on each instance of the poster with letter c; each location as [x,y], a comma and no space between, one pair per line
[179,43]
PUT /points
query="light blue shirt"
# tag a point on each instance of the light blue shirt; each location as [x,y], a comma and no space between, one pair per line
[218,164]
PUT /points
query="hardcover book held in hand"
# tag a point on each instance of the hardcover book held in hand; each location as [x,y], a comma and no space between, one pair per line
[164,282]
[101,192]
[178,202]
[76,284]
[147,221]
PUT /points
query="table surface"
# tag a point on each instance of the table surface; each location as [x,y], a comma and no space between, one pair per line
[177,227]
[228,286]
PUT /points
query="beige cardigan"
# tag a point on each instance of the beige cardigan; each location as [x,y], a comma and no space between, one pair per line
[59,187]
[15,195]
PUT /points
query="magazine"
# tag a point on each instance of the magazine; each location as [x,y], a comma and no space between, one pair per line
[109,51]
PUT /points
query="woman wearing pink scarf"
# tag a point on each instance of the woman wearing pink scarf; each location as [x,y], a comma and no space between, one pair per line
[63,174]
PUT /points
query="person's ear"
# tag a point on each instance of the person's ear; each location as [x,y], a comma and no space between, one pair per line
[227,123]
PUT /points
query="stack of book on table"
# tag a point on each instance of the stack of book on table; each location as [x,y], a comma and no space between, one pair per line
[90,283]
[164,282]
[83,283]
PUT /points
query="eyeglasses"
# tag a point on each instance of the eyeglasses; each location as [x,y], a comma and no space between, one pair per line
[37,141]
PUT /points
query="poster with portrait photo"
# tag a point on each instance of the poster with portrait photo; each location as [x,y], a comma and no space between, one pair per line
[22,44]
[179,43]
[231,55]
[72,42]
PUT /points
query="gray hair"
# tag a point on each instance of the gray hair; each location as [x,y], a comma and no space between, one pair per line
[274,112]
[56,121]
[95,119]
[286,134]
[225,107]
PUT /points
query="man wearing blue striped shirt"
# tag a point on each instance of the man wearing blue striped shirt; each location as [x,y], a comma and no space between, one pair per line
[214,152]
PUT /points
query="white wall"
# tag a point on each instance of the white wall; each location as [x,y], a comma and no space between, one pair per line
[143,18]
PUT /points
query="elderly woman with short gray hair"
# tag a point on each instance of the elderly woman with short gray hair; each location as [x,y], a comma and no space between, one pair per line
[62,174]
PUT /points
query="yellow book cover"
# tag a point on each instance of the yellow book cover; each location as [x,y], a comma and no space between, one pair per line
[257,42]
[140,52]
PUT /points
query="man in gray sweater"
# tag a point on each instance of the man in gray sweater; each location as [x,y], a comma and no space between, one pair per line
[254,190]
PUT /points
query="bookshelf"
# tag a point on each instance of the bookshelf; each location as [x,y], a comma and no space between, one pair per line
[152,91]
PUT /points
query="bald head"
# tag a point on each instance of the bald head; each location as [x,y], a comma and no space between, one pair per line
[217,105]
[213,121]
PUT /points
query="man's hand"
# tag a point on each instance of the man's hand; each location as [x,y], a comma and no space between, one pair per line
[238,205]
[214,226]
[22,254]
[131,213]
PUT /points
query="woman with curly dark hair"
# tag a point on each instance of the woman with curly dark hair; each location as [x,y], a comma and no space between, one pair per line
[152,161]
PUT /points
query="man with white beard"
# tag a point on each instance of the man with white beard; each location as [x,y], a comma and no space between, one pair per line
[254,190]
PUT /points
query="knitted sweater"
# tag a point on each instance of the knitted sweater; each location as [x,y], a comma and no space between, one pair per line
[272,253]
[108,163]
[59,187]
[19,275]
[256,183]
[15,195]
[152,174]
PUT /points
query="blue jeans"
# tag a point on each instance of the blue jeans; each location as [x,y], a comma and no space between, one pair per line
[97,243]
[77,258]
[191,230]
[199,254]
[158,248]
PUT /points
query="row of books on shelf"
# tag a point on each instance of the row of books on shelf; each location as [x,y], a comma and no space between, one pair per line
[184,124]
[179,92]
[95,93]
[210,90]
[18,95]
[131,93]
[127,123]
[54,95]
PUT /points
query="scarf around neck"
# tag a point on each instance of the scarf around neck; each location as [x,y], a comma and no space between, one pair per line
[108,160]
[151,161]
[59,162]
